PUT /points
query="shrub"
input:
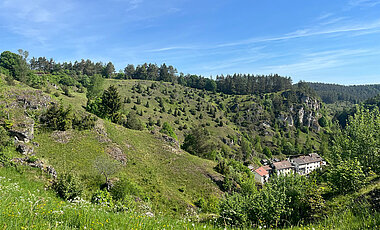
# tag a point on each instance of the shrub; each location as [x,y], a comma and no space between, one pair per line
[68,186]
[222,167]
[211,204]
[197,142]
[32,159]
[123,188]
[282,201]
[58,117]
[5,160]
[9,80]
[267,152]
[348,176]
[133,122]
[5,140]
[111,101]
[234,210]
[168,130]
[84,122]
[322,121]
[102,197]
[66,91]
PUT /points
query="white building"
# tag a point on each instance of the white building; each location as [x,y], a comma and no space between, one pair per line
[304,165]
[262,174]
[283,167]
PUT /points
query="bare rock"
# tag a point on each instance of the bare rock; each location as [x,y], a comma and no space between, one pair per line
[25,149]
[36,163]
[101,132]
[23,131]
[31,99]
[171,140]
[51,171]
[116,153]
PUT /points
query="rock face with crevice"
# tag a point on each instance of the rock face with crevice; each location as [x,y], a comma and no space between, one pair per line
[20,104]
[305,113]
[30,99]
[23,131]
[25,149]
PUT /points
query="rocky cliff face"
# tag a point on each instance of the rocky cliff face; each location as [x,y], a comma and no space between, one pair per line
[20,105]
[304,113]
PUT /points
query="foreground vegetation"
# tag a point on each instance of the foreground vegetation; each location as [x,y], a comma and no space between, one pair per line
[26,205]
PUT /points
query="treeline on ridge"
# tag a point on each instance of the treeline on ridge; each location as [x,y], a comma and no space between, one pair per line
[70,73]
[331,93]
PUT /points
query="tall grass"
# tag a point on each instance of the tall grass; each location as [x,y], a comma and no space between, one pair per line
[24,204]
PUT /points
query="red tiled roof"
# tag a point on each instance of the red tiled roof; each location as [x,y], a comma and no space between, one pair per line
[262,171]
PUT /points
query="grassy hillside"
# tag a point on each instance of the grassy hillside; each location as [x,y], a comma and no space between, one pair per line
[167,178]
[193,105]
[229,118]
[167,187]
[26,205]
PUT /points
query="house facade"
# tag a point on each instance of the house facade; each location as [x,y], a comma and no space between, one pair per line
[283,167]
[262,174]
[304,165]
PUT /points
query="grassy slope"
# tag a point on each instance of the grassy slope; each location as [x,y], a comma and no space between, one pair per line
[26,205]
[250,105]
[171,179]
[191,99]
[151,164]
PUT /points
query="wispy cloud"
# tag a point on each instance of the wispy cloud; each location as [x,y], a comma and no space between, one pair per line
[308,32]
[364,3]
[33,19]
[367,28]
[172,48]
[324,16]
[332,21]
[133,4]
[319,60]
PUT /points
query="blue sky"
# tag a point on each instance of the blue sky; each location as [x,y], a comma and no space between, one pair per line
[313,40]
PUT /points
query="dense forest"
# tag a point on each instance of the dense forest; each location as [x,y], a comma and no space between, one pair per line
[331,93]
[87,147]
